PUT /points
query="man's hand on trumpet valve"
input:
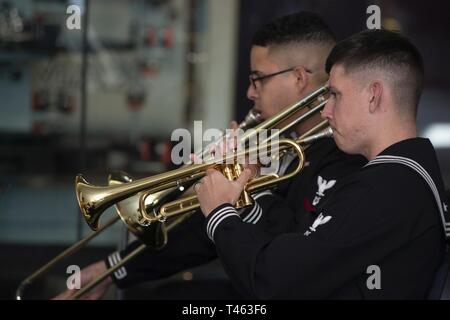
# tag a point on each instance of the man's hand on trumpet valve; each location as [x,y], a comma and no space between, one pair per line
[215,189]
[217,151]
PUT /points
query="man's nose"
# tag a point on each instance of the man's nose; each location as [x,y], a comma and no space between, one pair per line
[327,111]
[251,92]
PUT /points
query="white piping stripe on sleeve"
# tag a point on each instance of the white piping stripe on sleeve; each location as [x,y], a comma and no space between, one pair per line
[257,214]
[252,213]
[220,219]
[211,235]
[208,226]
[121,273]
[114,259]
[419,169]
[217,215]
[261,194]
[110,260]
[256,210]
[257,217]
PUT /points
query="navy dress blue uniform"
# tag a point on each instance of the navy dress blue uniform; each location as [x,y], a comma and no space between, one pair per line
[389,215]
[189,245]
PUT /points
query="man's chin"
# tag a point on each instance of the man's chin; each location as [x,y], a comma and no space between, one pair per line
[346,149]
[339,143]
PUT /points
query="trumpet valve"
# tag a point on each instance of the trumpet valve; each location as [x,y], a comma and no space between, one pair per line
[232,172]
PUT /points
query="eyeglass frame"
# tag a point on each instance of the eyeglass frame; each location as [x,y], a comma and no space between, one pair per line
[260,78]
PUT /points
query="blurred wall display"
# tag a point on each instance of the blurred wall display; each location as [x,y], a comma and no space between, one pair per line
[136,66]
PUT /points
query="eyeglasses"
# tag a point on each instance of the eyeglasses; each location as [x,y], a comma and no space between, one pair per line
[254,78]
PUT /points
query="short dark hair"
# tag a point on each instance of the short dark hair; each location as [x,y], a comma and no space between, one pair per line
[386,50]
[296,28]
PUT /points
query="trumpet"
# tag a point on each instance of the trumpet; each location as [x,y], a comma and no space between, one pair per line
[93,200]
[147,206]
[96,199]
[133,218]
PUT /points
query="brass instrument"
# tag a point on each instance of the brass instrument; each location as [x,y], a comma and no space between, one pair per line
[93,200]
[124,208]
[143,204]
[135,217]
[182,207]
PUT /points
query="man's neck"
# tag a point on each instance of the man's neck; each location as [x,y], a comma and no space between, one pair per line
[387,138]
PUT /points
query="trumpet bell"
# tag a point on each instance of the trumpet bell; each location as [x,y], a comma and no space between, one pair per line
[153,235]
[86,200]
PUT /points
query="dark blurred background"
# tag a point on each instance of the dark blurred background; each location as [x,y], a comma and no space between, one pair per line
[108,97]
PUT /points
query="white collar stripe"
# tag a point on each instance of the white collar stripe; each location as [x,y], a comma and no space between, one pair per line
[411,164]
[414,165]
[420,170]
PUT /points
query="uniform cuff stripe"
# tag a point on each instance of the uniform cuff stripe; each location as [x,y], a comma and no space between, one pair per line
[251,214]
[114,259]
[217,218]
[216,215]
[254,216]
[261,194]
[211,236]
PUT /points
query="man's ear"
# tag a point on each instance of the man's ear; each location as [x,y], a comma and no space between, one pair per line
[375,95]
[301,78]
